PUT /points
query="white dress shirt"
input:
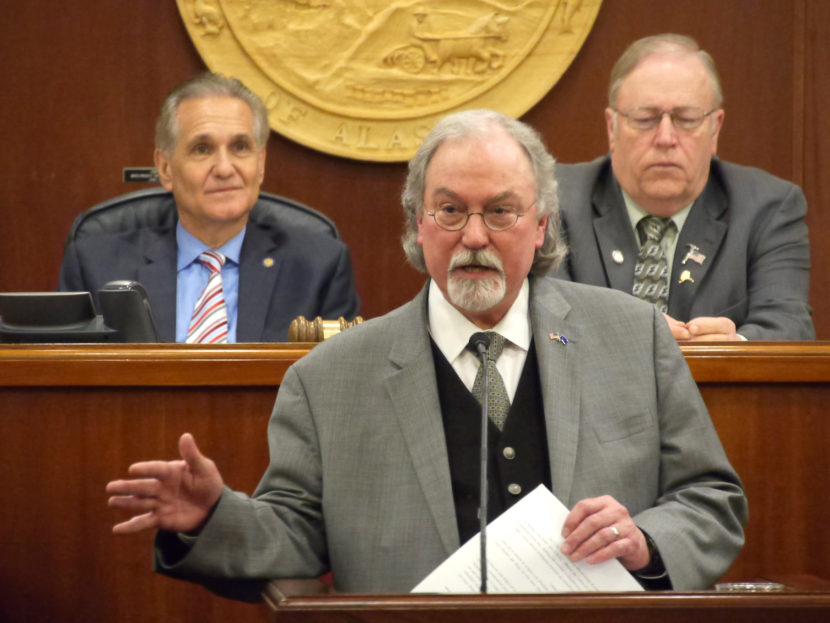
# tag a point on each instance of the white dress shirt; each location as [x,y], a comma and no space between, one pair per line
[451,331]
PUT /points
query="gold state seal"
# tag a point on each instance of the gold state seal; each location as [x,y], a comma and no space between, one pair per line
[367,79]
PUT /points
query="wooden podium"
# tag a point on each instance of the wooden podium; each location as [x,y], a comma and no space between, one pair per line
[804,600]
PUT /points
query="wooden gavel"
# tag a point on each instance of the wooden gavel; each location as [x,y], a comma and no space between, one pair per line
[317,330]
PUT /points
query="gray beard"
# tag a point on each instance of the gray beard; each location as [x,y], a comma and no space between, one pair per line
[476,295]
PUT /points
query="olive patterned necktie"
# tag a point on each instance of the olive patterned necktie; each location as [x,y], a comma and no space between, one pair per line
[651,273]
[498,402]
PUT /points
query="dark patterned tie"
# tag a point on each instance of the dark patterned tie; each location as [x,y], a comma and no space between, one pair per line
[498,402]
[209,324]
[651,273]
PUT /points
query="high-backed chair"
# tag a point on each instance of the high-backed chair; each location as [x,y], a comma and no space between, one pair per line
[292,263]
[155,207]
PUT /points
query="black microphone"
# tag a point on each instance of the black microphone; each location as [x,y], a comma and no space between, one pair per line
[479,343]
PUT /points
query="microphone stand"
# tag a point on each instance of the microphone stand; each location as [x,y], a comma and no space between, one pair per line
[483,468]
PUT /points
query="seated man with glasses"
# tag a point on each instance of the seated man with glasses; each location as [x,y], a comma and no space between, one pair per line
[721,249]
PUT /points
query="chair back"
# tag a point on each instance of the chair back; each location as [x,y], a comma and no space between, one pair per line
[155,207]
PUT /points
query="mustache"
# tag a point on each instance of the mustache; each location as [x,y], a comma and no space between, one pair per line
[482,257]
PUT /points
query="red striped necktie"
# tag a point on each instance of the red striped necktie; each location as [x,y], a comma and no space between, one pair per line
[209,324]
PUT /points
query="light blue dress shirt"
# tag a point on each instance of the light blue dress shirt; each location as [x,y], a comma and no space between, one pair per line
[192,278]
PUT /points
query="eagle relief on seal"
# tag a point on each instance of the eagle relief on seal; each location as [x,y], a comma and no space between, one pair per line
[367,79]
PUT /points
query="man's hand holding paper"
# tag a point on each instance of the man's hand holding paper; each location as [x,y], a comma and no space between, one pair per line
[600,529]
[524,553]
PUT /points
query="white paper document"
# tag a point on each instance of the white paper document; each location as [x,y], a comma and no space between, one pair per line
[523,557]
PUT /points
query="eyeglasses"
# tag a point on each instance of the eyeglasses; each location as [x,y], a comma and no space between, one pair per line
[684,118]
[496,218]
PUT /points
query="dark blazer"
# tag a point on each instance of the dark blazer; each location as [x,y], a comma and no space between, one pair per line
[359,481]
[311,275]
[748,224]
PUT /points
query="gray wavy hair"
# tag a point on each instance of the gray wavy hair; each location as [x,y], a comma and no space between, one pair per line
[472,123]
[207,84]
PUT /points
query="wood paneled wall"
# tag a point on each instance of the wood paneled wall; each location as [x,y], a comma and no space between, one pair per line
[82,83]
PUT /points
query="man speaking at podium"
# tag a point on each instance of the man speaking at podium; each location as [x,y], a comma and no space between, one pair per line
[374,438]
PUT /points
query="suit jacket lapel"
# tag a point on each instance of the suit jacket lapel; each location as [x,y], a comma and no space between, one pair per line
[413,390]
[614,234]
[256,283]
[704,228]
[558,373]
[158,276]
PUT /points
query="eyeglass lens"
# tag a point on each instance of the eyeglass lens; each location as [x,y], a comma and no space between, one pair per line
[497,219]
[683,118]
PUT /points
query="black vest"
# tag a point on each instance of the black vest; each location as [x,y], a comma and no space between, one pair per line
[518,455]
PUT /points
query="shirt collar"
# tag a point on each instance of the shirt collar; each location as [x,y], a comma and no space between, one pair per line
[190,247]
[451,330]
[636,213]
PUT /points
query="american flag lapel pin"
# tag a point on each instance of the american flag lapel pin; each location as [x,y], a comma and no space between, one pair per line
[558,338]
[693,254]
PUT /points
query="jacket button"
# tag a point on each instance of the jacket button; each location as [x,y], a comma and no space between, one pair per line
[509,453]
[514,488]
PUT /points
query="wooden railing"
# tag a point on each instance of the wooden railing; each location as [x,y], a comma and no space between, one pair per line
[264,364]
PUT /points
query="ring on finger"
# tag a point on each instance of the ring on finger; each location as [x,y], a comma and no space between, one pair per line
[615,531]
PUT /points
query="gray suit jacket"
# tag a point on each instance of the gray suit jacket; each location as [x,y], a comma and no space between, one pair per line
[748,224]
[359,480]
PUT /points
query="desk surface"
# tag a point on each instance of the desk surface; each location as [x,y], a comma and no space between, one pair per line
[804,599]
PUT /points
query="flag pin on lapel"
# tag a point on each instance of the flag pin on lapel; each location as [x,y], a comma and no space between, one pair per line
[694,254]
[558,338]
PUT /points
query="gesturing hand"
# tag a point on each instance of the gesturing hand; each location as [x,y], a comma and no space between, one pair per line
[169,495]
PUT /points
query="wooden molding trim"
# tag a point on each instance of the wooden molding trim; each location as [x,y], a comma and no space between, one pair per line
[127,365]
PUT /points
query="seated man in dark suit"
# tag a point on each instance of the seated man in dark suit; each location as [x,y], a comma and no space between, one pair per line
[210,153]
[721,249]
